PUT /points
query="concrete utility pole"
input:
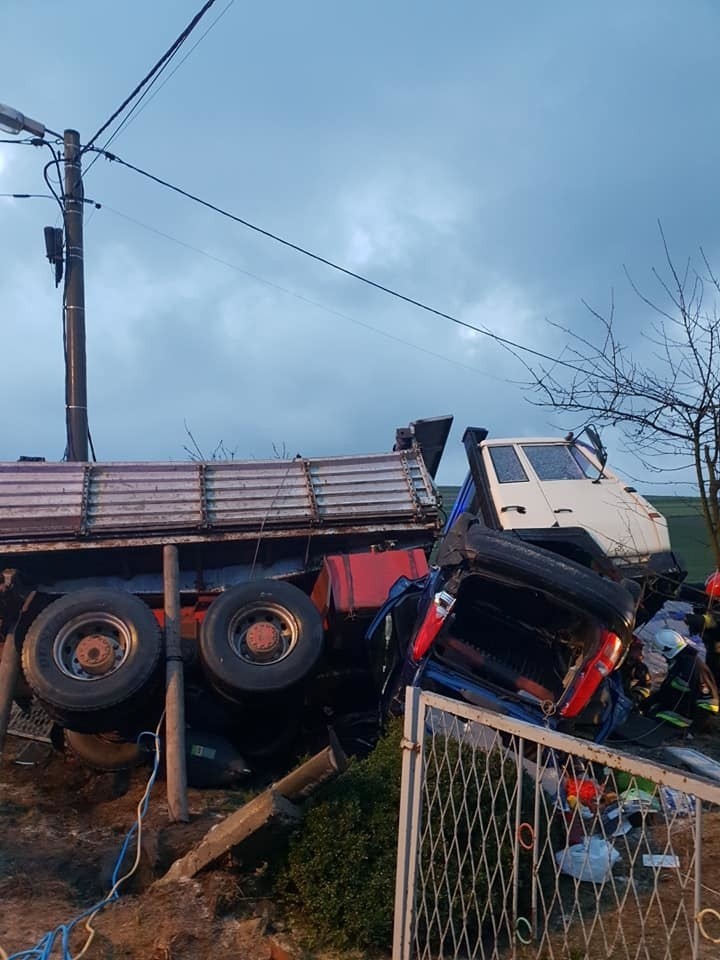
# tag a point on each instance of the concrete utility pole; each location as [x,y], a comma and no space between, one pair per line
[74,306]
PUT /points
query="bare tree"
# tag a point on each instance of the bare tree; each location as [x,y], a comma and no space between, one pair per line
[667,401]
[220,452]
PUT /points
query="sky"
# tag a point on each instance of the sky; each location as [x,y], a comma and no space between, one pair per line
[501,163]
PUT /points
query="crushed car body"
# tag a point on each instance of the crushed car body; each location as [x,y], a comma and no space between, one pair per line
[511,627]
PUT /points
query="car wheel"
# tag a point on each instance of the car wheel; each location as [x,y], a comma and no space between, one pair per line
[260,637]
[91,658]
[105,752]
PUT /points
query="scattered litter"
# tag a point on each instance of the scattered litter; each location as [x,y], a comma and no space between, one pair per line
[676,803]
[592,860]
[695,761]
[582,795]
[660,860]
[613,828]
[34,754]
[624,781]
[635,801]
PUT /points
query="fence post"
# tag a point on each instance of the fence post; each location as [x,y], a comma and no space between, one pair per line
[698,877]
[519,757]
[409,824]
[536,843]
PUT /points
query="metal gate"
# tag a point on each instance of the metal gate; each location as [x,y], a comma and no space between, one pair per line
[520,842]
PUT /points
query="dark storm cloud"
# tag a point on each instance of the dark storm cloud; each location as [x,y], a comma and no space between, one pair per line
[497,163]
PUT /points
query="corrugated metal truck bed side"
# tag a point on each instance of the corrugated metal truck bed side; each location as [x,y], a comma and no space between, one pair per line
[55,506]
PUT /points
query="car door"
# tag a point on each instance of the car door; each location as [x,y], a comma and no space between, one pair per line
[519,499]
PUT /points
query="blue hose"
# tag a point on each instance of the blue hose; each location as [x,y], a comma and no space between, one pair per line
[44,949]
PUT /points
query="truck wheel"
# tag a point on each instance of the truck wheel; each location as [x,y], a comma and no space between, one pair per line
[91,656]
[260,637]
[105,752]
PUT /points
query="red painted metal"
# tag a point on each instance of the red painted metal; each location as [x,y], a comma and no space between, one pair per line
[592,673]
[712,586]
[358,583]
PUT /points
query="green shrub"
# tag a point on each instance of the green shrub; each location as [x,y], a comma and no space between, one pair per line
[338,879]
[339,876]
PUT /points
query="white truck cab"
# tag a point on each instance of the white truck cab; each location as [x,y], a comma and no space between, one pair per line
[560,494]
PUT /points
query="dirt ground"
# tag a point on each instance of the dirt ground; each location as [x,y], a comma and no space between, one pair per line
[62,829]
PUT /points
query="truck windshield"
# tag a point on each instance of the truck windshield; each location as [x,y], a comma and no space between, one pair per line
[556,461]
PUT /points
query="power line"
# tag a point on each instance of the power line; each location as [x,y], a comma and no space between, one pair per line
[169,53]
[509,344]
[55,162]
[141,103]
[28,196]
[140,106]
[301,297]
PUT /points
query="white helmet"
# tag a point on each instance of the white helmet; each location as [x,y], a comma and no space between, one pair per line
[668,642]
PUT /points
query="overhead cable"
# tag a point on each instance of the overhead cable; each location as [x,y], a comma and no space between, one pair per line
[511,345]
[151,92]
[302,297]
[169,53]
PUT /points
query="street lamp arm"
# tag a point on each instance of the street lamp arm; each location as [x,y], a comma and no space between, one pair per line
[12,121]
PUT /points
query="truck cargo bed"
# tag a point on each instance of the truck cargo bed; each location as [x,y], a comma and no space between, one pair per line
[55,506]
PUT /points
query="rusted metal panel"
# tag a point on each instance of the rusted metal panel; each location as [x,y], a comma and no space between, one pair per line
[40,499]
[143,496]
[52,502]
[408,530]
[356,487]
[254,494]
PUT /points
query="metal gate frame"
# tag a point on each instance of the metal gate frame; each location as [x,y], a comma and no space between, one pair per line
[417,704]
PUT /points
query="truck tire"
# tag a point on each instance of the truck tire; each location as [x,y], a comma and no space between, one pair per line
[91,658]
[104,752]
[260,637]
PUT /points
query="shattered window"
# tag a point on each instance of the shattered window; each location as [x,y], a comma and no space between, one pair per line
[507,465]
[553,461]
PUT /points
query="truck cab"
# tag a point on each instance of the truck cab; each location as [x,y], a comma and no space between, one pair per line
[559,493]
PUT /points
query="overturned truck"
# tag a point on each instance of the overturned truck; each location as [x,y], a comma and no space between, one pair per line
[282,563]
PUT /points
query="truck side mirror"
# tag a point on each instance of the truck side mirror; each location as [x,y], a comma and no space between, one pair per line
[598,448]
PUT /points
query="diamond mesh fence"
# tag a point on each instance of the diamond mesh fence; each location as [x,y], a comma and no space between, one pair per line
[519,842]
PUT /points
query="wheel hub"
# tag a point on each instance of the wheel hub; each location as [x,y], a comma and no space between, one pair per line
[263,640]
[95,655]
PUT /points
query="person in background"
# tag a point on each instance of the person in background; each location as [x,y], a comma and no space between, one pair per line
[689,694]
[635,673]
[705,622]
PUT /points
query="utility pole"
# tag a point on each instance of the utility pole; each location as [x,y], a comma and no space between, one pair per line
[76,416]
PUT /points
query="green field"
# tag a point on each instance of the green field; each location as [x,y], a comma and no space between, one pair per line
[688,535]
